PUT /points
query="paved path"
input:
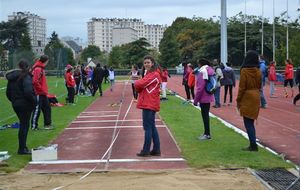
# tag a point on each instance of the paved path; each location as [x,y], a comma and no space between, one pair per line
[278,126]
[84,142]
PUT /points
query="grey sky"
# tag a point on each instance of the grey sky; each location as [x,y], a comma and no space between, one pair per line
[69,17]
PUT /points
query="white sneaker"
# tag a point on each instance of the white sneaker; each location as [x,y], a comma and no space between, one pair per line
[204,137]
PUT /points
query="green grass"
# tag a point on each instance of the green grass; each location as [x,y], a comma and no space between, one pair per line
[224,150]
[61,117]
[184,121]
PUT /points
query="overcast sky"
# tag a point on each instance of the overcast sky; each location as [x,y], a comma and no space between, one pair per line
[70,17]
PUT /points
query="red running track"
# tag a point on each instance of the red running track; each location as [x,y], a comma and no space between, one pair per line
[278,126]
[83,143]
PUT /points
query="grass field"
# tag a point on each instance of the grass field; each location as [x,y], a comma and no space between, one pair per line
[61,117]
[224,151]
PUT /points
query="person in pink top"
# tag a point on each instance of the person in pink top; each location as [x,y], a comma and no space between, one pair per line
[202,97]
[272,78]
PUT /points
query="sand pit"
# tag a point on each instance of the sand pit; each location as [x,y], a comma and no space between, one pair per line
[204,179]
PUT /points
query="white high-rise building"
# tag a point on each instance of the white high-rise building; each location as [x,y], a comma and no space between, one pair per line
[100,31]
[124,35]
[154,33]
[37,30]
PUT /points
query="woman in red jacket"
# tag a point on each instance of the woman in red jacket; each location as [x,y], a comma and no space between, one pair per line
[70,83]
[288,77]
[149,101]
[272,78]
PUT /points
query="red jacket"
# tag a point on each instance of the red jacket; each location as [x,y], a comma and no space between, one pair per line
[164,76]
[70,79]
[191,80]
[272,73]
[39,80]
[148,89]
[289,72]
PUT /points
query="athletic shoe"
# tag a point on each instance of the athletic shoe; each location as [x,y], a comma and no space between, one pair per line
[48,127]
[204,137]
[143,154]
[155,153]
[35,129]
[250,148]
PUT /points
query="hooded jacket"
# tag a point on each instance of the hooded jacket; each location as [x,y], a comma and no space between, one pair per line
[20,91]
[248,98]
[201,95]
[39,79]
[228,77]
[148,89]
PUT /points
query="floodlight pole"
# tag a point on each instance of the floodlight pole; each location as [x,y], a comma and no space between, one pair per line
[224,53]
[245,23]
[287,29]
[262,28]
[273,30]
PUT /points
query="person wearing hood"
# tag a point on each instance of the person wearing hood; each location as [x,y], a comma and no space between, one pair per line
[202,97]
[20,93]
[248,98]
[229,82]
[41,90]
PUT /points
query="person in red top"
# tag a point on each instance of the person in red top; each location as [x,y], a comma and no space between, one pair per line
[70,83]
[288,77]
[272,78]
[164,77]
[41,90]
[191,80]
[149,101]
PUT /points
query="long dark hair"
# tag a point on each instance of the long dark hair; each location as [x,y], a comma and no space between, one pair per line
[24,66]
[203,61]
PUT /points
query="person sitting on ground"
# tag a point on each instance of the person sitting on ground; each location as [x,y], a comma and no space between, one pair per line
[20,93]
[248,98]
[202,96]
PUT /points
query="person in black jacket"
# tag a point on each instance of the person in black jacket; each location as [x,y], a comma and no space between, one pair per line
[297,97]
[97,79]
[20,93]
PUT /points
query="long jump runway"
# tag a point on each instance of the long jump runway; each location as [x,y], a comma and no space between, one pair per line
[277,127]
[107,123]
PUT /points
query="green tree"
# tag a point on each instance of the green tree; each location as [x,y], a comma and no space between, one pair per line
[91,51]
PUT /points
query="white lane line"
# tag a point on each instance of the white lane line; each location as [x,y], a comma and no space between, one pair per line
[99,111]
[111,160]
[91,116]
[110,127]
[109,121]
[276,123]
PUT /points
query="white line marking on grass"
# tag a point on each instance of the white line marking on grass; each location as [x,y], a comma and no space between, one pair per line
[111,161]
[110,127]
[91,116]
[109,121]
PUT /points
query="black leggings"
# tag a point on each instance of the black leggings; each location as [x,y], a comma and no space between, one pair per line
[205,117]
[135,94]
[71,93]
[230,93]
[189,91]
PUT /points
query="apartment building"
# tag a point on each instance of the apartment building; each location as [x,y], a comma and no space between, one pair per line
[37,30]
[100,31]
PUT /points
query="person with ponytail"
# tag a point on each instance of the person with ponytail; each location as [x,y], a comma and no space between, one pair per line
[149,101]
[20,93]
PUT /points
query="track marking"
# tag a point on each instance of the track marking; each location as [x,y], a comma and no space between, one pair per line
[111,127]
[109,121]
[99,111]
[110,160]
[90,116]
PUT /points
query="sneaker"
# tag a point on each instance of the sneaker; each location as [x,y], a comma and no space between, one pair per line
[48,127]
[155,153]
[24,152]
[264,106]
[229,104]
[251,149]
[216,106]
[35,129]
[143,154]
[204,137]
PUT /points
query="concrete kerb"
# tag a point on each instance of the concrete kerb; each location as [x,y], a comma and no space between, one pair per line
[244,134]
